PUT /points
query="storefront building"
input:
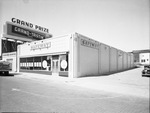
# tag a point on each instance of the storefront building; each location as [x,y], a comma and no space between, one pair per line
[46,56]
[145,58]
[72,55]
[16,32]
[141,57]
[30,48]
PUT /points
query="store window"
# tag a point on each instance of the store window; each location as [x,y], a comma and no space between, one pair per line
[23,63]
[29,63]
[46,63]
[64,62]
[9,46]
[36,63]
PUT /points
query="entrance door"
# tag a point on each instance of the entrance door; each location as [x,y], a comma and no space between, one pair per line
[55,66]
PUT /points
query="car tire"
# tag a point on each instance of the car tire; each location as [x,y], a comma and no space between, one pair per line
[1,73]
[6,73]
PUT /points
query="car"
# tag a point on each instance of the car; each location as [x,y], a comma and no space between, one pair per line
[146,71]
[5,67]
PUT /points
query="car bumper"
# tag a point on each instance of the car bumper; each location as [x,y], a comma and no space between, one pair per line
[146,75]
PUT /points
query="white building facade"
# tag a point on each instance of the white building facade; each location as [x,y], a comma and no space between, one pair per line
[145,58]
[72,55]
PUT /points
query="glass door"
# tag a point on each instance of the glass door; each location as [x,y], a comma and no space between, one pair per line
[55,64]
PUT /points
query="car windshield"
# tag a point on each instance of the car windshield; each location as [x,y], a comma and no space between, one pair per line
[147,67]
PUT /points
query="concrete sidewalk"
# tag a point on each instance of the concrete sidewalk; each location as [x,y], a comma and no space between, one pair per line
[128,83]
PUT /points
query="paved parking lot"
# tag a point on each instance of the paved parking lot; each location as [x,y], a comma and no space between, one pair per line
[128,82]
[28,92]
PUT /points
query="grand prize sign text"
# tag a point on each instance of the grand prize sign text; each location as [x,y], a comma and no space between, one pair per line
[30,25]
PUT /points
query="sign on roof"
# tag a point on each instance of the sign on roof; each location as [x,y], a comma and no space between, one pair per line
[30,25]
[24,32]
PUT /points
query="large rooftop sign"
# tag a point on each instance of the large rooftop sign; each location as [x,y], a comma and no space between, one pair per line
[26,30]
[30,25]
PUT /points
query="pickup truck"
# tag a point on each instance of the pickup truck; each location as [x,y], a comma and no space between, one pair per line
[5,67]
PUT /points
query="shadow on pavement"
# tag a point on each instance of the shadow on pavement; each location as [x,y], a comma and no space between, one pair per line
[6,75]
[110,73]
[9,75]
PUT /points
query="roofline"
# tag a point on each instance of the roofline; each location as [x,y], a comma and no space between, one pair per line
[141,51]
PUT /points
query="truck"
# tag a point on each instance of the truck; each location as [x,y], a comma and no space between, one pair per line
[5,67]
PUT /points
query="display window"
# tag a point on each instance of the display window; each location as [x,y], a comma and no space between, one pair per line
[64,62]
[22,63]
[46,63]
[9,46]
[29,63]
[36,63]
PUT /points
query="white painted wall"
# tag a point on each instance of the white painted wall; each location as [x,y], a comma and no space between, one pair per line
[145,58]
[113,59]
[104,58]
[87,57]
[125,61]
[120,60]
[129,61]
[88,61]
[132,60]
[60,44]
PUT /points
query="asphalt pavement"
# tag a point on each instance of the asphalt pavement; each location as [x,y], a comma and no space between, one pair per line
[117,93]
[128,82]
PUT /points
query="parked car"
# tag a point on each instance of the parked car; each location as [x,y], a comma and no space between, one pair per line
[5,67]
[146,71]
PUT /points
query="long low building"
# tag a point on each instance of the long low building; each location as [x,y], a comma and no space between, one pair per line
[72,55]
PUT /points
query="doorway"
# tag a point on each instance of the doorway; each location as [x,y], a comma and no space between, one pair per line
[55,64]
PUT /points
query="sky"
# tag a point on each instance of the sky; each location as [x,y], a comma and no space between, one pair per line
[123,24]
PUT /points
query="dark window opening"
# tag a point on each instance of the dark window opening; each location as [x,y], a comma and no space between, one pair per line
[36,63]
